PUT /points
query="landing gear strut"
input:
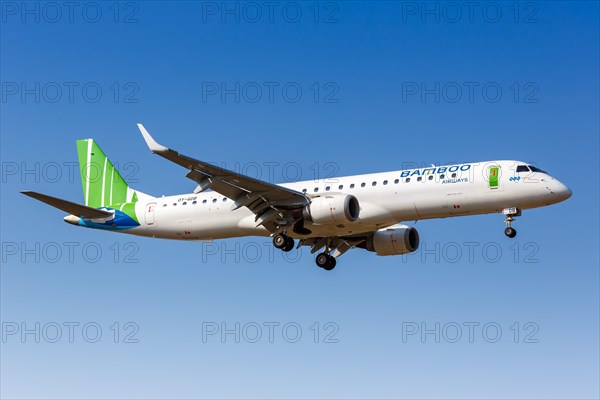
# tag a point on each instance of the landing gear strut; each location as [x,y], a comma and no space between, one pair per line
[326,261]
[283,242]
[510,213]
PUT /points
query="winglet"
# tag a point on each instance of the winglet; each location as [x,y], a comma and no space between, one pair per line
[152,144]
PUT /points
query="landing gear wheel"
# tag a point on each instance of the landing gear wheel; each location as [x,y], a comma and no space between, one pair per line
[510,232]
[280,240]
[322,260]
[289,245]
[510,213]
[330,264]
[326,261]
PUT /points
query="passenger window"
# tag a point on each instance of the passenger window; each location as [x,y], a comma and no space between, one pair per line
[362,184]
[419,179]
[174,204]
[327,188]
[194,202]
[407,180]
[304,190]
[184,203]
[454,174]
[430,177]
[374,183]
[204,201]
[340,187]
[224,199]
[352,186]
[385,182]
[164,205]
[442,176]
[396,180]
[214,200]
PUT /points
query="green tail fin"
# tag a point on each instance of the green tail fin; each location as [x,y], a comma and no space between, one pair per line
[102,184]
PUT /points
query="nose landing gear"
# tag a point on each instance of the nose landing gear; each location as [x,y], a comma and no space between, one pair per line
[510,213]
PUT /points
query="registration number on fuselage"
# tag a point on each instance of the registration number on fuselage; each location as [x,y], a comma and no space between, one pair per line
[189,198]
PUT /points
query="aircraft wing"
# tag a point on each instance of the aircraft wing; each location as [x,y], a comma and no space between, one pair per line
[272,204]
[68,206]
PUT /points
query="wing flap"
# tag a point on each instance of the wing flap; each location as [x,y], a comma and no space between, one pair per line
[68,206]
[215,183]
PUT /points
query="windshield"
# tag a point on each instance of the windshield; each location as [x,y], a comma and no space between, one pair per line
[536,169]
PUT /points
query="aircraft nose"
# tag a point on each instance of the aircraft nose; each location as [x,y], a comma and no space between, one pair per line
[561,191]
[566,191]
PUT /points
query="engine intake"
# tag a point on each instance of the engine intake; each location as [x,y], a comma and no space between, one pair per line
[399,239]
[332,209]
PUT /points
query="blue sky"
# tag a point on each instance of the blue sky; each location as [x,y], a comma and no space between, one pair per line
[302,89]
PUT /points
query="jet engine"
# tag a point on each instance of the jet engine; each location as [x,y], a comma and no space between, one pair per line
[398,239]
[332,209]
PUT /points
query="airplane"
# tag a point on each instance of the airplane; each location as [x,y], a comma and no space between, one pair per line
[331,216]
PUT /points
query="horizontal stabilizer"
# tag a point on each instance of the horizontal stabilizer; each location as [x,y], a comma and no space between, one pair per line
[68,206]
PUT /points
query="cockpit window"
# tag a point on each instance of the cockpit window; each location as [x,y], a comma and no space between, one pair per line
[536,169]
[522,168]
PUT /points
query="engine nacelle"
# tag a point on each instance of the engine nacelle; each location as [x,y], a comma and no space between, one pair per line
[399,239]
[332,209]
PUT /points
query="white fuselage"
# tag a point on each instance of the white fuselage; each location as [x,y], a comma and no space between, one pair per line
[385,199]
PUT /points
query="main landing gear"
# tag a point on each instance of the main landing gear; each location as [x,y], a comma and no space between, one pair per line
[510,213]
[283,242]
[325,261]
